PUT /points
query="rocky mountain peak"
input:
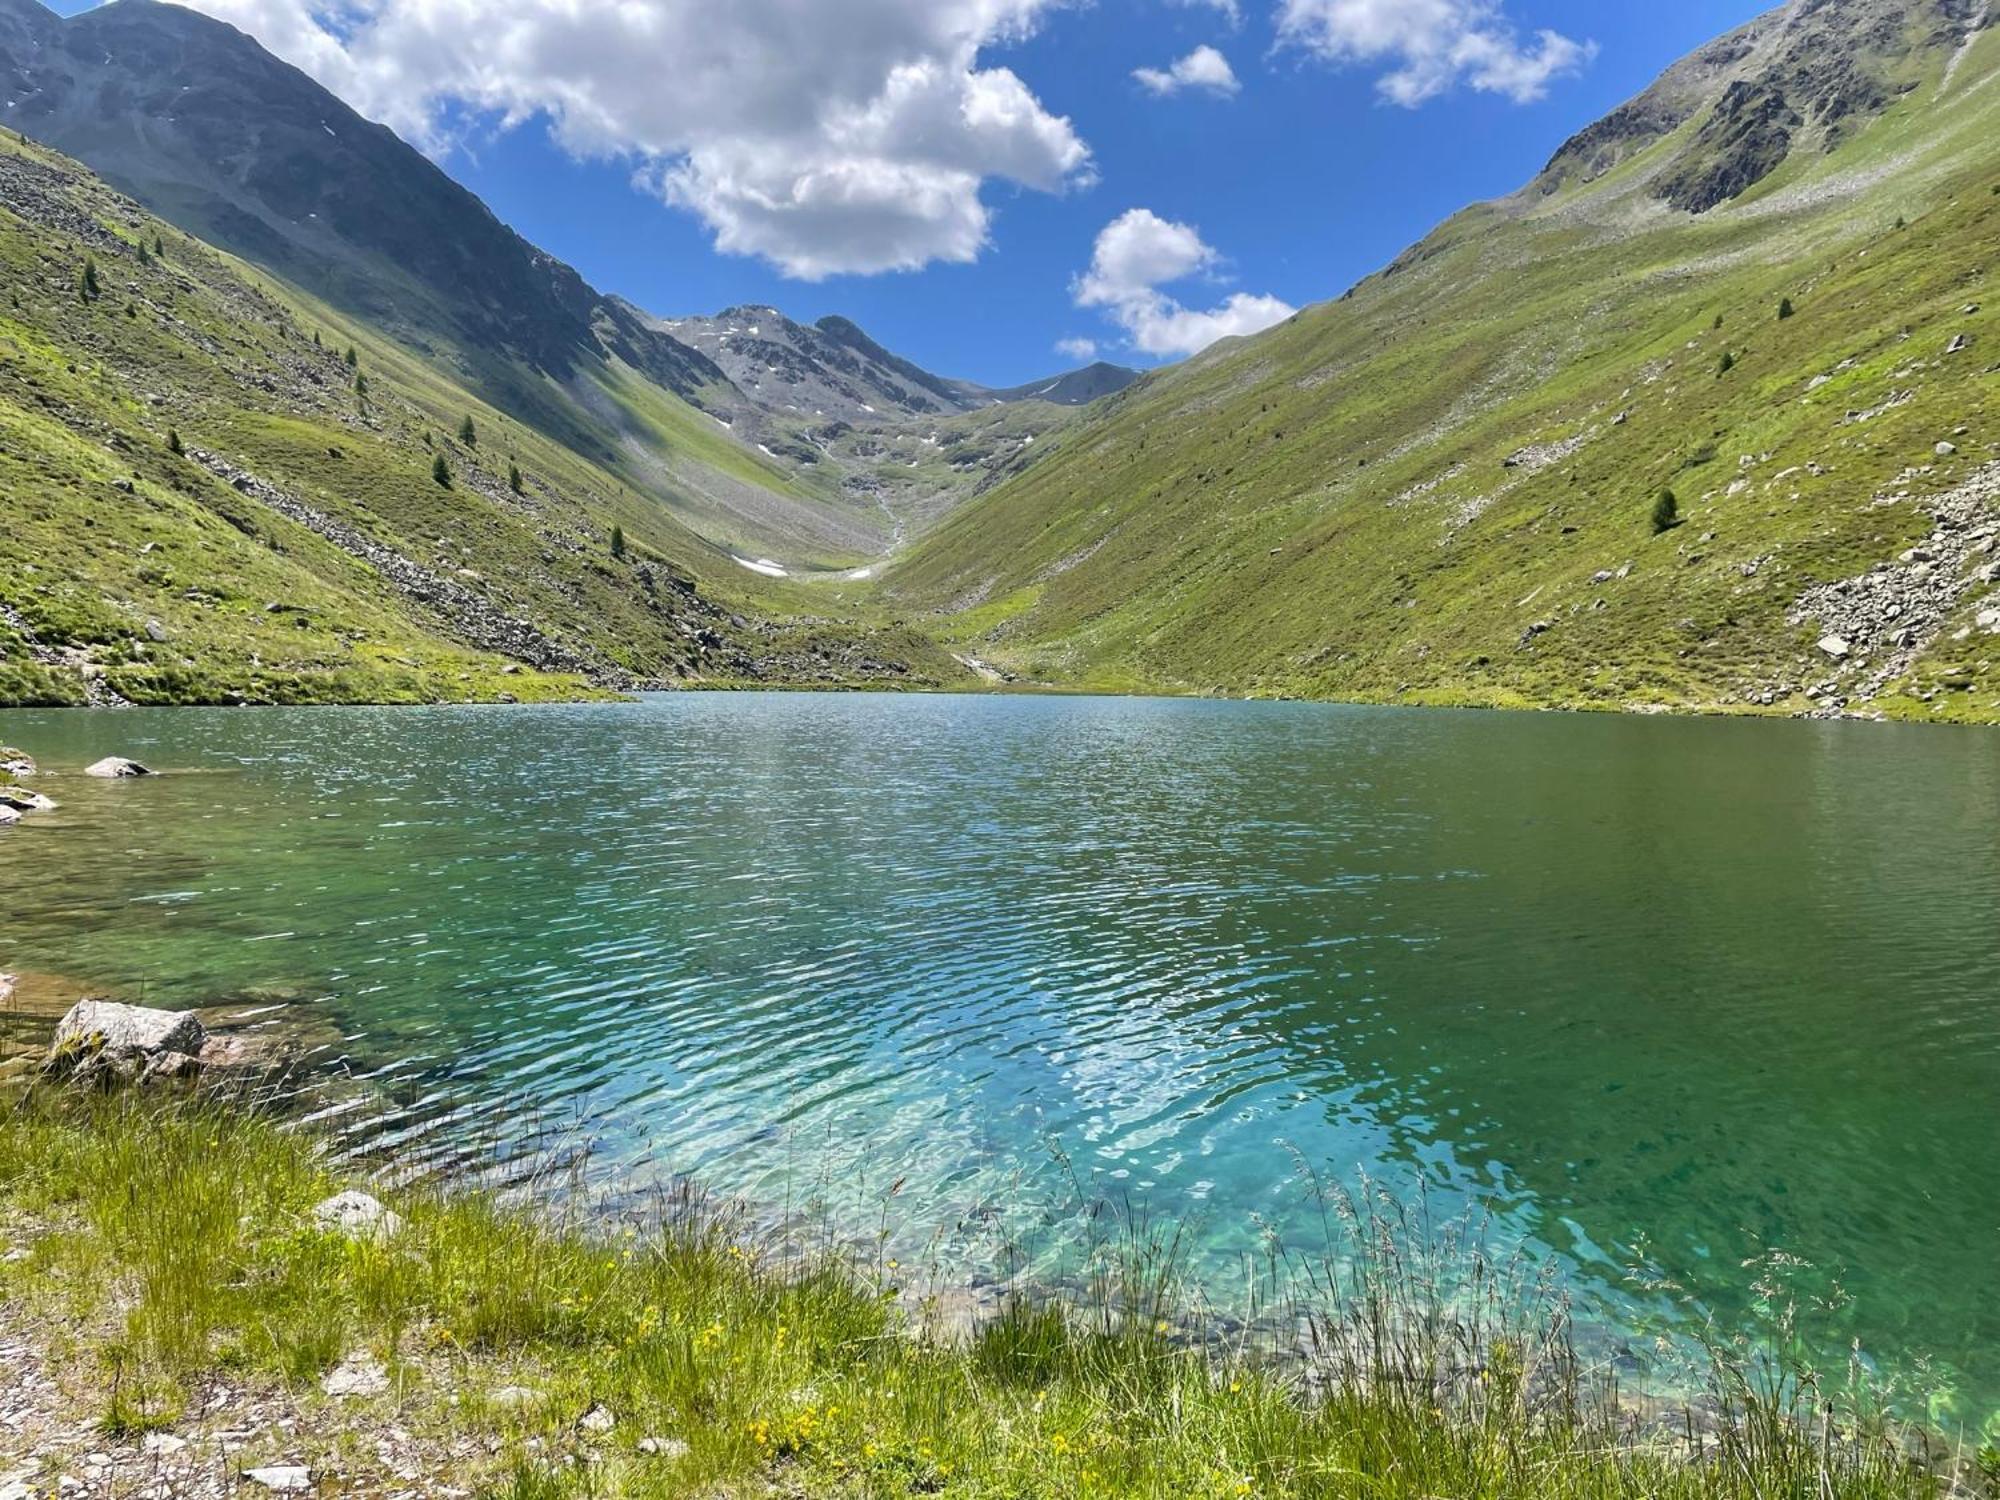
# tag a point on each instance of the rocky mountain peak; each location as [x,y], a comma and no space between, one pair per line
[1802,77]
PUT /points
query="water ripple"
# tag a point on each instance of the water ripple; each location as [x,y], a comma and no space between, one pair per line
[1696,990]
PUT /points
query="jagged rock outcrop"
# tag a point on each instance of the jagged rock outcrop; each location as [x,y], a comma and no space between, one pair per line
[1803,76]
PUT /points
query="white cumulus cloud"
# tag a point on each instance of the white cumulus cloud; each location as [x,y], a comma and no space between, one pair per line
[1229,10]
[1137,255]
[1204,68]
[1081,350]
[1433,45]
[825,136]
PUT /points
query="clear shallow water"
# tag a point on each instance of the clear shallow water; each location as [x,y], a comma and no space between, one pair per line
[1699,991]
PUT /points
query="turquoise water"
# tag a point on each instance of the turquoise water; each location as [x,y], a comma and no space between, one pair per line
[1721,999]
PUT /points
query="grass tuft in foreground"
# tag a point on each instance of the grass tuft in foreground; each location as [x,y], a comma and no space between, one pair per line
[171,1249]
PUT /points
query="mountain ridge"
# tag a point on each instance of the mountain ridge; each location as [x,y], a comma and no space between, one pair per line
[1437,489]
[217,491]
[196,119]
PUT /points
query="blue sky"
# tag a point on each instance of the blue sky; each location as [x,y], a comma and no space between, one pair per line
[1301,182]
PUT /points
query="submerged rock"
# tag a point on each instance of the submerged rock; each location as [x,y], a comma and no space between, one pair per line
[358,1216]
[21,800]
[16,762]
[100,1039]
[114,768]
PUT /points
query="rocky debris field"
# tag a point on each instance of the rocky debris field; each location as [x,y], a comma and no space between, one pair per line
[469,615]
[1874,628]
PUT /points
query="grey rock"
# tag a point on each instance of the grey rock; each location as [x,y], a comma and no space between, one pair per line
[126,1039]
[598,1419]
[24,801]
[114,768]
[8,817]
[1946,449]
[282,1479]
[355,1377]
[510,1397]
[358,1216]
[1836,647]
[169,1066]
[16,762]
[663,1447]
[156,632]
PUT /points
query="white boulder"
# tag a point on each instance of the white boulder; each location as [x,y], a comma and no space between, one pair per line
[113,768]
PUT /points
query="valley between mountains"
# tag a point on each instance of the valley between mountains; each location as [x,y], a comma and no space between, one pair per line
[1700,420]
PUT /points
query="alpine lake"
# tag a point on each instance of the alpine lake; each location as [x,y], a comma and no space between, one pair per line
[1703,1016]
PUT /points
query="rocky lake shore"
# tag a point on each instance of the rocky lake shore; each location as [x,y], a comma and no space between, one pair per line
[199,1301]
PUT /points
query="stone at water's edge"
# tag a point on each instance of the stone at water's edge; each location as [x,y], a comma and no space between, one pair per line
[102,1039]
[20,800]
[16,762]
[112,768]
[106,1026]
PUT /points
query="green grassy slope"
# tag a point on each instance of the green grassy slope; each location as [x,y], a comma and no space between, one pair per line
[1438,489]
[300,549]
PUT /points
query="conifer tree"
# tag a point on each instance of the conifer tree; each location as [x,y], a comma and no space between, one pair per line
[467,433]
[618,542]
[1666,512]
[441,472]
